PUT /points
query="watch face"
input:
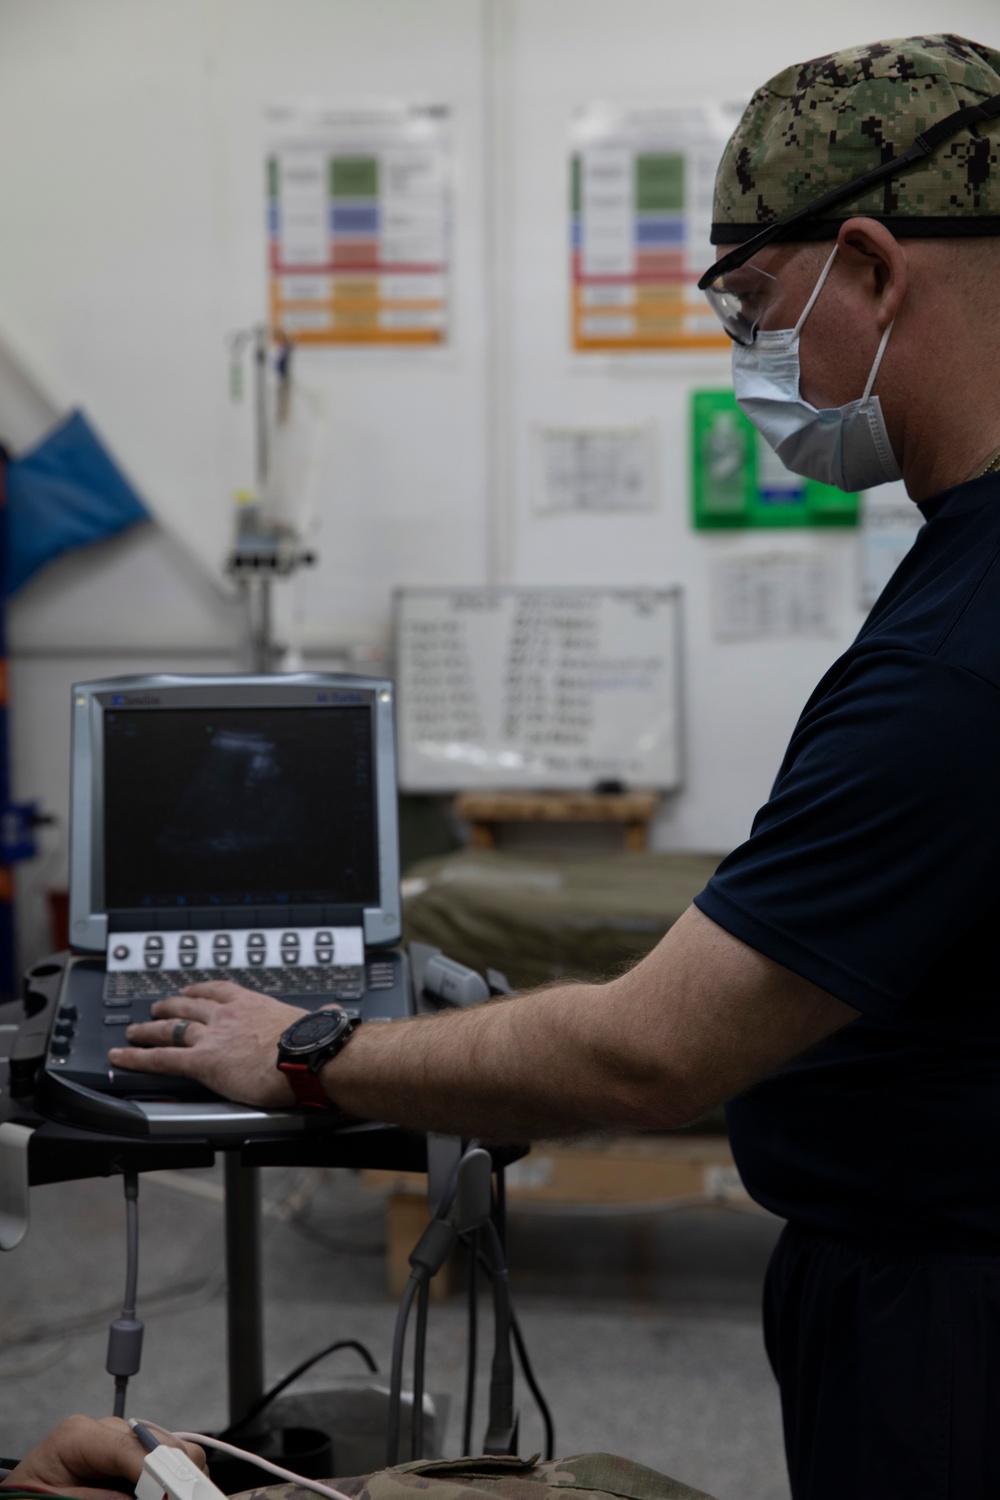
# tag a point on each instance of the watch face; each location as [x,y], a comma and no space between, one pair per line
[310,1032]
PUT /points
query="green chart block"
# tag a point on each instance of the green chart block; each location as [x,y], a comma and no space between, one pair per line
[737,481]
[659,183]
[354,177]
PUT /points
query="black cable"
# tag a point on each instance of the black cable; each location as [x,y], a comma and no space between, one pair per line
[534,1388]
[396,1378]
[264,1401]
[471,1351]
[500,1208]
[527,1371]
[426,1259]
[419,1359]
[500,1430]
[450,1193]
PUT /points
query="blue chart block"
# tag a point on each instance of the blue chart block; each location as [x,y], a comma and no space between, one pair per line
[360,219]
[659,229]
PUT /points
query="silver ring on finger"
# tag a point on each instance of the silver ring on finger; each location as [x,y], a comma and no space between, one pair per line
[178,1034]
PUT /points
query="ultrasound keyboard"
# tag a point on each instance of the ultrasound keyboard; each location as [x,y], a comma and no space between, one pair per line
[345,983]
[93,1008]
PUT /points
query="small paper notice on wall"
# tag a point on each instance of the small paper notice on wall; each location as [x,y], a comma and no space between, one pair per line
[593,469]
[775,594]
[889,524]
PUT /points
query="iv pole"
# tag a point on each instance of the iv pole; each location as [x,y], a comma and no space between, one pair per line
[263,549]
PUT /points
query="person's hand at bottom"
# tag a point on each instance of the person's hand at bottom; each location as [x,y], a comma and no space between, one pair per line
[91,1459]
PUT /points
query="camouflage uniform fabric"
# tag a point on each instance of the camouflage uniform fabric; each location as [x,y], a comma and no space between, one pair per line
[600,1475]
[817,125]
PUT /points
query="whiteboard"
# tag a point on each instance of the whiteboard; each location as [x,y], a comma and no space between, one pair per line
[537,688]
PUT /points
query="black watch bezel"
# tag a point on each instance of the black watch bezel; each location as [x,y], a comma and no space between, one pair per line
[317,1050]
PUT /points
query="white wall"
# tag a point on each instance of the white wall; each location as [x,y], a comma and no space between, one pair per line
[131,152]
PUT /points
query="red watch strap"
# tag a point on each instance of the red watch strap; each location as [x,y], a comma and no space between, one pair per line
[308,1089]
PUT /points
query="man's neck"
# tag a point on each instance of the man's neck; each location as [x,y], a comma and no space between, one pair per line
[950,427]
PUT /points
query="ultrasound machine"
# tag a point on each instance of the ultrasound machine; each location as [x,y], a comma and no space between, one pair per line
[241,828]
[221,827]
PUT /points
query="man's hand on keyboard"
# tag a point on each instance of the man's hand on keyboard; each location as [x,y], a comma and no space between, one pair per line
[230,1045]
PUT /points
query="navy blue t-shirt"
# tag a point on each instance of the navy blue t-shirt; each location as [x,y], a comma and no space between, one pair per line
[874,871]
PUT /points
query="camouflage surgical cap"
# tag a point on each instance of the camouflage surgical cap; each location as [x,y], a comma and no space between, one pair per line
[819,124]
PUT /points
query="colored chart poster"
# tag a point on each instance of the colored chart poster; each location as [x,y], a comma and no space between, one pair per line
[641,185]
[358,224]
[737,480]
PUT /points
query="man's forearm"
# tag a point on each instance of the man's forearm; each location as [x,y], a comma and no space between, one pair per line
[545,1064]
[697,1021]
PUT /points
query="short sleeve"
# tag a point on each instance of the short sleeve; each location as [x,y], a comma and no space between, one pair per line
[880,844]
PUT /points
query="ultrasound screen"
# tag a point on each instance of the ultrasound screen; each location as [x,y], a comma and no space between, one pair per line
[239,805]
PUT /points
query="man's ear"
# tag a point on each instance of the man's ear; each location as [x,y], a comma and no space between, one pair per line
[872,253]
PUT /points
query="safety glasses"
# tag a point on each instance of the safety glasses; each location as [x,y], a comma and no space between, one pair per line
[740,298]
[738,292]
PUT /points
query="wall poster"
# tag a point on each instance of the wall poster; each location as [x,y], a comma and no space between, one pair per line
[641,184]
[358,223]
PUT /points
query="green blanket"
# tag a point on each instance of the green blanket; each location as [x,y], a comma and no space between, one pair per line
[600,1475]
[540,917]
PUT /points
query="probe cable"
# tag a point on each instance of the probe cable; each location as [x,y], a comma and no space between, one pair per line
[472,1339]
[525,1363]
[426,1259]
[419,1364]
[125,1333]
[501,1431]
[500,1233]
[263,1463]
[396,1377]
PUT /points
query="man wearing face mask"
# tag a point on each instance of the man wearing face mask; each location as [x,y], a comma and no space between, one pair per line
[838,978]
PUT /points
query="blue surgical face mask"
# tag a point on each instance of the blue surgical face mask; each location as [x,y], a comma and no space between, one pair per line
[847,446]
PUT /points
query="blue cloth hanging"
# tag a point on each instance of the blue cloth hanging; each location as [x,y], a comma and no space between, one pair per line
[67,492]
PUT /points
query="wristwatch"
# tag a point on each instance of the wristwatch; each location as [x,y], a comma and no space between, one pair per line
[309,1043]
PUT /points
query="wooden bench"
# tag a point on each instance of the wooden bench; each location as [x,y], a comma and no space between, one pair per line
[644,1171]
[486,812]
